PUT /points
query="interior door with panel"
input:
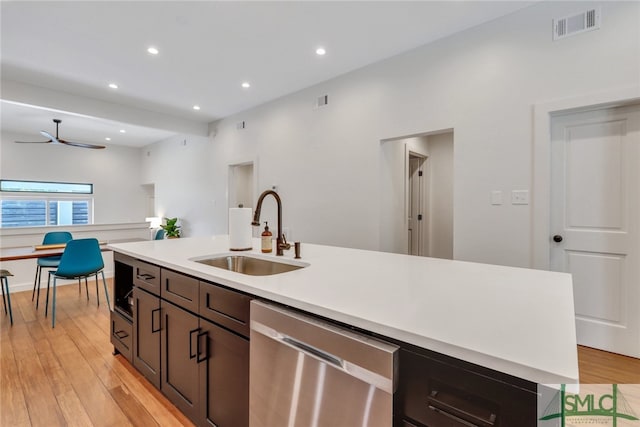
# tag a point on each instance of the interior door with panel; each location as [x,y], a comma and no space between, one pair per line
[146,336]
[595,222]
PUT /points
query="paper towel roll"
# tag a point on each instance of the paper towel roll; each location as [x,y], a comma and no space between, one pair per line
[240,229]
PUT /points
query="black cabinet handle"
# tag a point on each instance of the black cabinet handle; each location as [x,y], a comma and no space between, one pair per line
[206,347]
[153,328]
[192,355]
[146,276]
[120,334]
[557,238]
[440,406]
[453,417]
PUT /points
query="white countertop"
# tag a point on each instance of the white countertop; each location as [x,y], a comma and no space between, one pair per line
[513,320]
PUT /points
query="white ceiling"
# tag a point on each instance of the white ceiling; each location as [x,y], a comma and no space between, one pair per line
[207,49]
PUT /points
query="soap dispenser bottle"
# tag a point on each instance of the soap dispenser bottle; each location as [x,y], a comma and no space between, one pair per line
[267,242]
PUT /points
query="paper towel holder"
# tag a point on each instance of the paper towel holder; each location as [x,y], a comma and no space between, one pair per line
[240,245]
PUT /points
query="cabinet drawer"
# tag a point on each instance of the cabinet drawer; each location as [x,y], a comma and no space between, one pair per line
[146,276]
[121,334]
[227,308]
[435,393]
[180,289]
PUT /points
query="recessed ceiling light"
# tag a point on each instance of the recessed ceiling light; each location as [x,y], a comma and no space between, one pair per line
[320,51]
[196,107]
[107,139]
[153,51]
[113,86]
[123,131]
[246,85]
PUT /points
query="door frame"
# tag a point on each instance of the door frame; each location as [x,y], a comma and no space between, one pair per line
[423,201]
[541,150]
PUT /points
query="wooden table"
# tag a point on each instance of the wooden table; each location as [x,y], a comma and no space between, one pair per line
[28,252]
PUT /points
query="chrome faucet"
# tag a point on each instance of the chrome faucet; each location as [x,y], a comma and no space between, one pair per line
[281,242]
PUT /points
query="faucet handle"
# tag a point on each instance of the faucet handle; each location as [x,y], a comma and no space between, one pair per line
[284,245]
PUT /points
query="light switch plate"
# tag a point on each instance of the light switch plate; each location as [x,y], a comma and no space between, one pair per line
[496,197]
[520,197]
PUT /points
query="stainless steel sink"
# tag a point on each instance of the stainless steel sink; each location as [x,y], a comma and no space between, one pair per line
[250,265]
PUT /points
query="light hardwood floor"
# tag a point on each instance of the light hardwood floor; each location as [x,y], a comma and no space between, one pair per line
[68,375]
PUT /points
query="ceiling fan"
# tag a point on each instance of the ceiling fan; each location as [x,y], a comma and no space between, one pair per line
[56,140]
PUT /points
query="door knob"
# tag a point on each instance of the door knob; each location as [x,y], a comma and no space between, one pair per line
[557,238]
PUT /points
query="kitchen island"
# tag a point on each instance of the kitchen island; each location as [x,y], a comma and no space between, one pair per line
[512,321]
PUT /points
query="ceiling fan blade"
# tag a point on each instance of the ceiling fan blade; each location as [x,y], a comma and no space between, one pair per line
[81,144]
[33,142]
[51,137]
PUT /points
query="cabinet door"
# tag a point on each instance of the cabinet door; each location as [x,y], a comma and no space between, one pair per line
[146,336]
[179,358]
[224,372]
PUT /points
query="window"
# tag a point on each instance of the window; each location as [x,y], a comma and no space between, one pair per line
[48,205]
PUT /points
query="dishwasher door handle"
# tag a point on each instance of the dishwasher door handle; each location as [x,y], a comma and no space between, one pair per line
[312,351]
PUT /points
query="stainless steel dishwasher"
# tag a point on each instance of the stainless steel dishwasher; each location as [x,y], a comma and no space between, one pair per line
[309,373]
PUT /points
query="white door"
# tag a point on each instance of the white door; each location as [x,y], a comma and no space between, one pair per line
[415,217]
[595,222]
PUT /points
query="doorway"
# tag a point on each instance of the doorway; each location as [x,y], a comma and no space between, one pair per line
[241,184]
[595,222]
[405,196]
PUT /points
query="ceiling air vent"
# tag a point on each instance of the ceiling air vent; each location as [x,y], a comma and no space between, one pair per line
[576,24]
[322,101]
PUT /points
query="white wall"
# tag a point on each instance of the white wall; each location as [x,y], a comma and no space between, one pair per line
[114,173]
[180,169]
[482,83]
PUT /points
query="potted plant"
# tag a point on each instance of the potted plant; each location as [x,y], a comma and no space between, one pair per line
[171,230]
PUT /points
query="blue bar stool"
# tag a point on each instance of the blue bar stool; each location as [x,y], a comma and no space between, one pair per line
[4,287]
[51,238]
[82,258]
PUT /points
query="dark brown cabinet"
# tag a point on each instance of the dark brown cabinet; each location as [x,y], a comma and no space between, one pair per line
[180,353]
[146,337]
[121,334]
[441,391]
[189,338]
[224,393]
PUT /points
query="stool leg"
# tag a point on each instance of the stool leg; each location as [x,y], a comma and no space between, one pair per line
[46,306]
[97,293]
[35,281]
[86,287]
[53,314]
[6,284]
[106,291]
[4,302]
